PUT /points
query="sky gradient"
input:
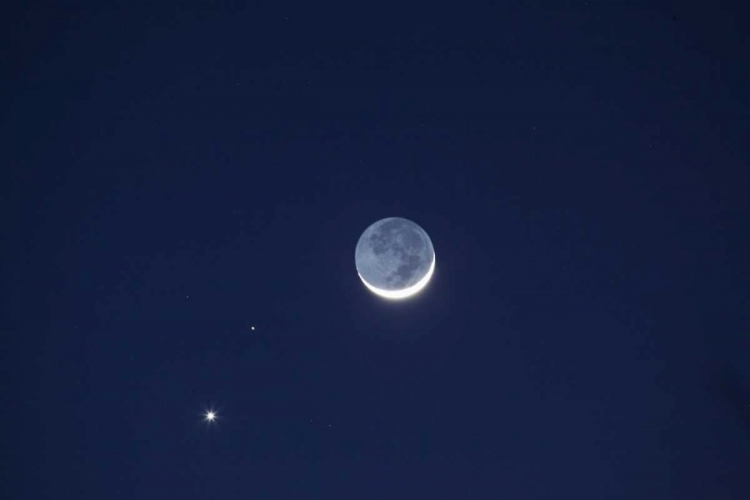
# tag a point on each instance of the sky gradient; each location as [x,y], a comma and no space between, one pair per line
[183,190]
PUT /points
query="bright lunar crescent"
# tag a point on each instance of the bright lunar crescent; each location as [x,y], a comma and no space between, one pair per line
[395,258]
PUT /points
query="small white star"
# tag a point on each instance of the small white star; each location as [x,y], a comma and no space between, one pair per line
[210,416]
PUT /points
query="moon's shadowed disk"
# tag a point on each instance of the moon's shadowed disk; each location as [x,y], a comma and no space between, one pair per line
[395,258]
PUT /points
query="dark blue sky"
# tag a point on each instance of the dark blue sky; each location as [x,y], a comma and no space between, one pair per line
[172,177]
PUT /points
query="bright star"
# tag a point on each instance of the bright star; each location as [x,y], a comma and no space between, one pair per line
[210,416]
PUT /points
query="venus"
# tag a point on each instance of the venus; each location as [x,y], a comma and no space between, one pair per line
[395,258]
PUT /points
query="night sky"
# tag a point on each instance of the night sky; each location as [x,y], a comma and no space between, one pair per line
[183,190]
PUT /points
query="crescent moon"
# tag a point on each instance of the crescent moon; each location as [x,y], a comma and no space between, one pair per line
[406,292]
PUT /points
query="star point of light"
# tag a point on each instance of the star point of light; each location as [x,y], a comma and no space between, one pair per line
[210,416]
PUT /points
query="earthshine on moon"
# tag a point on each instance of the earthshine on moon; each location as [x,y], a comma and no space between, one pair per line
[395,258]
